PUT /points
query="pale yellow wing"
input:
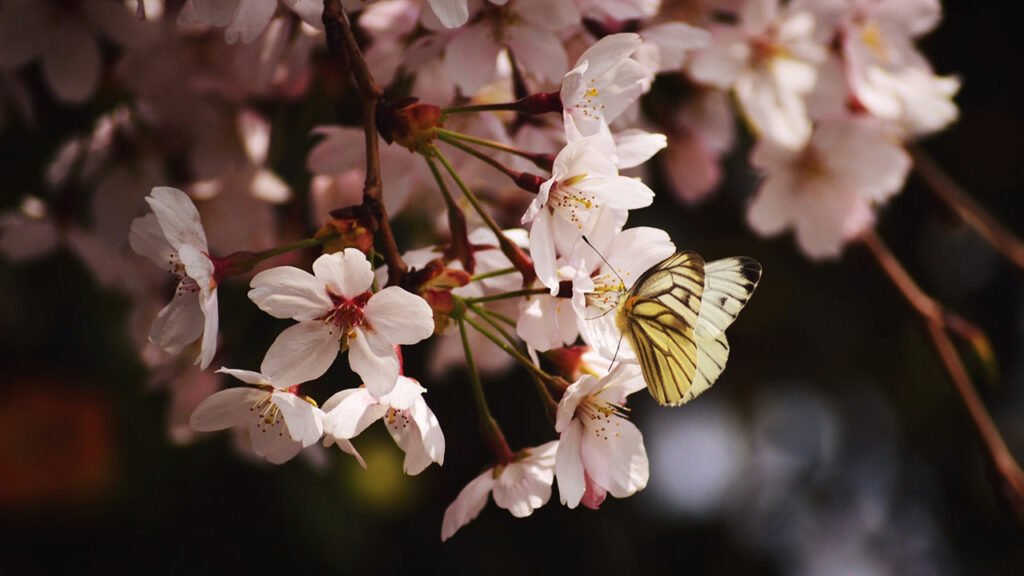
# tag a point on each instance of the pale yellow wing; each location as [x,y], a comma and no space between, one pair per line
[658,316]
[728,284]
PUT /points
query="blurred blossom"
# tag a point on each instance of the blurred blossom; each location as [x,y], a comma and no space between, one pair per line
[699,461]
[827,190]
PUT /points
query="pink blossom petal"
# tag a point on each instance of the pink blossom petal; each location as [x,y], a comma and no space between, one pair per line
[467,505]
[569,466]
[399,317]
[247,376]
[616,458]
[225,409]
[71,60]
[216,12]
[301,353]
[347,273]
[178,217]
[451,13]
[304,421]
[351,411]
[539,51]
[288,292]
[471,57]
[250,20]
[179,324]
[375,360]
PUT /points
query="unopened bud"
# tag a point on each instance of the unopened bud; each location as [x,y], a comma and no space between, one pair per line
[414,126]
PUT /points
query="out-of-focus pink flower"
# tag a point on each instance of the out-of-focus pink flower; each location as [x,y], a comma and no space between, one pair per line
[770,61]
[826,191]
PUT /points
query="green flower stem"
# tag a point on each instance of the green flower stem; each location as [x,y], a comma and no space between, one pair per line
[508,295]
[520,260]
[307,243]
[513,174]
[488,425]
[541,379]
[493,274]
[486,315]
[510,350]
[451,137]
[460,247]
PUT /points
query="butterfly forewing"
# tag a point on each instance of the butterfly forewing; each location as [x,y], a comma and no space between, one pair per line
[658,315]
[728,284]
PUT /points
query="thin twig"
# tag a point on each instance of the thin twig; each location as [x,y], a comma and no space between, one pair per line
[925,305]
[938,323]
[999,236]
[340,37]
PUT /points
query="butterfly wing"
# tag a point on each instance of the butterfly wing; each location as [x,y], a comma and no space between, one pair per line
[728,284]
[658,315]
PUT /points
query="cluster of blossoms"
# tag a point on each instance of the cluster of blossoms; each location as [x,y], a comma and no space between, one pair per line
[830,90]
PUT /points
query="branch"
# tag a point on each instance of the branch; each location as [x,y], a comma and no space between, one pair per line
[939,322]
[342,42]
[1001,238]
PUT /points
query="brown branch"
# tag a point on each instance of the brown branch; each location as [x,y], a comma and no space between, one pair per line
[939,322]
[1000,237]
[341,41]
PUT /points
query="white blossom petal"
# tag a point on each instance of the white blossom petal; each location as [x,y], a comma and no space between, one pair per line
[375,360]
[351,411]
[468,504]
[288,292]
[304,421]
[301,353]
[398,316]
[347,273]
[225,409]
[569,466]
[178,217]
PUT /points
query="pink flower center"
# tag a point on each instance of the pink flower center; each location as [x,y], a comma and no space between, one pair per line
[347,313]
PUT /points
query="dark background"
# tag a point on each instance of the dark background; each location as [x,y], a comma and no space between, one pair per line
[833,444]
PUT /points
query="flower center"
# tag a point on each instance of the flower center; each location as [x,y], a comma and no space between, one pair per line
[347,314]
[268,416]
[572,203]
[600,418]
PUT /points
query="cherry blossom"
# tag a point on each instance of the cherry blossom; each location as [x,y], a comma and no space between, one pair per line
[770,60]
[604,82]
[66,38]
[279,420]
[335,307]
[245,20]
[408,418]
[600,451]
[826,191]
[521,486]
[887,74]
[173,237]
[529,29]
[583,182]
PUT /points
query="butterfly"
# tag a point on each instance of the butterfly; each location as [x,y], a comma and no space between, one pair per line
[675,317]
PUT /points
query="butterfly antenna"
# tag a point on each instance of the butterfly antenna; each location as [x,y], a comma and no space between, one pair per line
[605,260]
